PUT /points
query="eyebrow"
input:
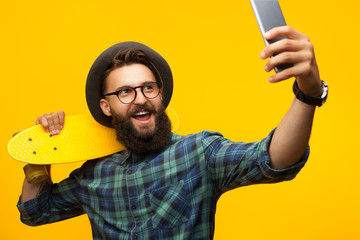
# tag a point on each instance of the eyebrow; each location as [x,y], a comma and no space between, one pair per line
[128,86]
[122,87]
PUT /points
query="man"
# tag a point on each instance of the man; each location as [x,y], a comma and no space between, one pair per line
[165,186]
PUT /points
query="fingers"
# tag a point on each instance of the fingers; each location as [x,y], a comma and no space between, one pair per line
[285,45]
[298,57]
[61,118]
[285,31]
[296,70]
[52,122]
[296,49]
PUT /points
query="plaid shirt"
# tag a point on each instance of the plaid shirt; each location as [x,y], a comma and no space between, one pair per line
[171,194]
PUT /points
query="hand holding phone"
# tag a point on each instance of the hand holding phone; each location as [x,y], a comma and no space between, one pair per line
[269,15]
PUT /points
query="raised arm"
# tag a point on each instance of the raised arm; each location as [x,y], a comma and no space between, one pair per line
[291,138]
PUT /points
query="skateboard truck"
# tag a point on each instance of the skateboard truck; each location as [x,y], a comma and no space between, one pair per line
[36,173]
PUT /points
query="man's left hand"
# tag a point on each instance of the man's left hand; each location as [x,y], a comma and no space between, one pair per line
[298,50]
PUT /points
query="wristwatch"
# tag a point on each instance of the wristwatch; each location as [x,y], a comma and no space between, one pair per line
[318,101]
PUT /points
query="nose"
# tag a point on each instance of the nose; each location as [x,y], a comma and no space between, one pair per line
[140,99]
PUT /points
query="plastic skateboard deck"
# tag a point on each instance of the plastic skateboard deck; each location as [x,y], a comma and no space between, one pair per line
[82,138]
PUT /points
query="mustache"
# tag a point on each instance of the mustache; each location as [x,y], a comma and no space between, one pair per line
[138,108]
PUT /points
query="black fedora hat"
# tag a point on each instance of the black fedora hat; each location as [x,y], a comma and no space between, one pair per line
[101,64]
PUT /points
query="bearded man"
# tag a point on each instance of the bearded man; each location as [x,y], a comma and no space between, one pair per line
[163,185]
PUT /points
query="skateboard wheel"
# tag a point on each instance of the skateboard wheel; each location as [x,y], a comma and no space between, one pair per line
[36,173]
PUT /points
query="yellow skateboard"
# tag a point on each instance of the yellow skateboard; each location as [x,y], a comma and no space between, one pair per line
[82,138]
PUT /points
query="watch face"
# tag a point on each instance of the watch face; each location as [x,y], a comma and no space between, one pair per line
[325,90]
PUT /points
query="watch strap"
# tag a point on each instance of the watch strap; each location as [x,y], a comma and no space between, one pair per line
[318,101]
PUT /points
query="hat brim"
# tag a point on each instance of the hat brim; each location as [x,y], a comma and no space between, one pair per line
[99,67]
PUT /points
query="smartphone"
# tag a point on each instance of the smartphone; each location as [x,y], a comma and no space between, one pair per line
[269,15]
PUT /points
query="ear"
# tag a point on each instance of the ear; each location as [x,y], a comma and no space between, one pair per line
[105,107]
[161,96]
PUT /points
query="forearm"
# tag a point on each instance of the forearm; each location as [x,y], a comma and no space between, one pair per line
[291,137]
[31,191]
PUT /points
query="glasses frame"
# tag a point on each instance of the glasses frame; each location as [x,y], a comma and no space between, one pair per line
[134,88]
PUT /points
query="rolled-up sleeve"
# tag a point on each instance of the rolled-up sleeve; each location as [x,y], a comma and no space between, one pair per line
[236,164]
[56,204]
[32,211]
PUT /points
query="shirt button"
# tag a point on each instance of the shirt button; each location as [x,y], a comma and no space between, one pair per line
[133,206]
[129,171]
[135,236]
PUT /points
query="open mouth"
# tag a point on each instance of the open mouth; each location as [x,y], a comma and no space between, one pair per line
[142,115]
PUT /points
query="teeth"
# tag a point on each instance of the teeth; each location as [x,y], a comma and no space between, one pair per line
[141,113]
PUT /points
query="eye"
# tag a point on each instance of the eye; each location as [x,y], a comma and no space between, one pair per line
[125,91]
[149,87]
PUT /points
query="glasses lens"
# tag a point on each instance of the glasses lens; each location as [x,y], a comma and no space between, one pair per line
[126,95]
[150,90]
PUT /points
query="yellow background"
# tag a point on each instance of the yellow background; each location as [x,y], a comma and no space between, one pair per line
[213,47]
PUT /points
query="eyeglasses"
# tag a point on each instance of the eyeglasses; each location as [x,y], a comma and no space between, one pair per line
[128,94]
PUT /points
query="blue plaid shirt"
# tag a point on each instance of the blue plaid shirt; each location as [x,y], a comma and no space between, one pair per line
[171,194]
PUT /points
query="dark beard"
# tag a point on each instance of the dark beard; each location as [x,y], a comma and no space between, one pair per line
[139,143]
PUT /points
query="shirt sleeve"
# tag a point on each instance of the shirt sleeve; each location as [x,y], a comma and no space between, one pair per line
[236,164]
[56,204]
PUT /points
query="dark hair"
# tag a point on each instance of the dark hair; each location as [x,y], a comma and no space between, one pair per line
[130,56]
